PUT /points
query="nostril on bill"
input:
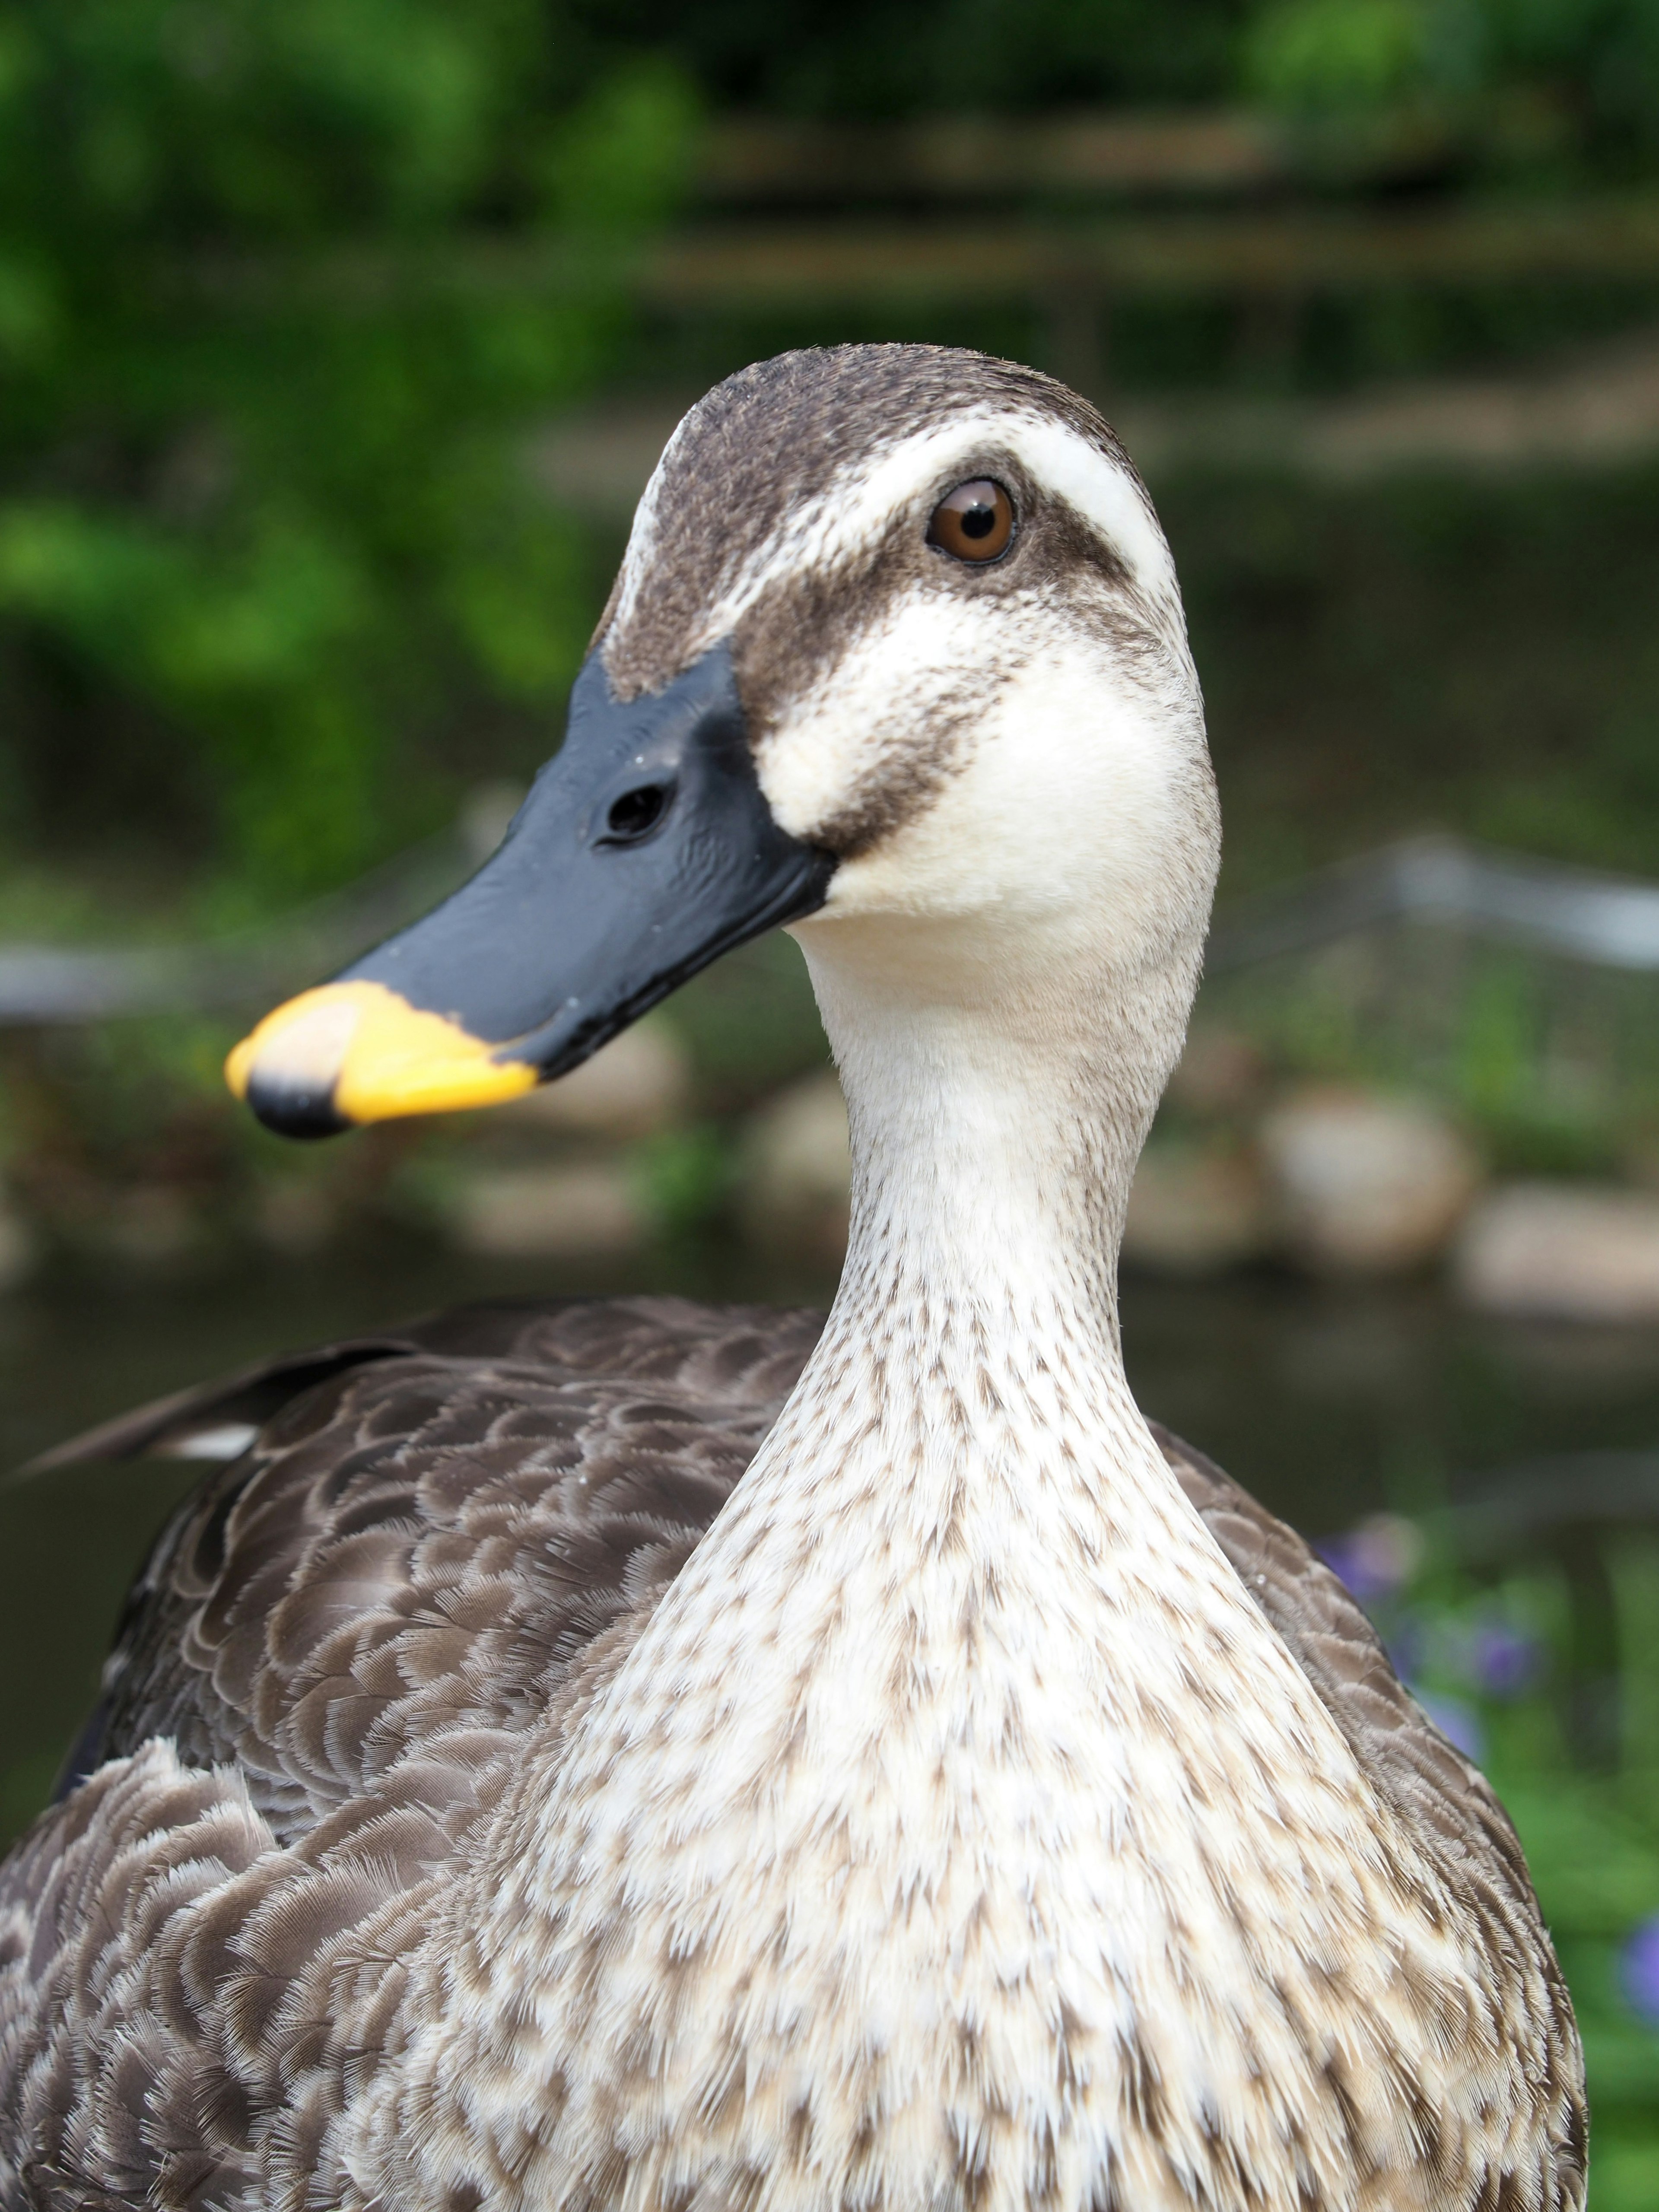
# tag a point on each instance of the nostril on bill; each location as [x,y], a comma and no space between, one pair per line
[636,813]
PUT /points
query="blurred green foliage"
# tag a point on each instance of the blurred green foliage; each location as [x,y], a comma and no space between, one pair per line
[284,288]
[1477,654]
[1587,70]
[1590,66]
[282,281]
[860,57]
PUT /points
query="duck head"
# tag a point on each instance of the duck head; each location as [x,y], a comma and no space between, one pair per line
[896,655]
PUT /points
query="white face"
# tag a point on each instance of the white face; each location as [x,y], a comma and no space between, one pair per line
[1018,743]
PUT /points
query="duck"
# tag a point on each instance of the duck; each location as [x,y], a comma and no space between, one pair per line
[633,1756]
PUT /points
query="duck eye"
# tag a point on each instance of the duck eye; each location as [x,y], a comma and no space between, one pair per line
[975,522]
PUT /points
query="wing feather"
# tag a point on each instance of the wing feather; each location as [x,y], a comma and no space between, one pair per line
[431,1538]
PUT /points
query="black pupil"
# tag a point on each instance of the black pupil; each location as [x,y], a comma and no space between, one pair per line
[978,521]
[636,812]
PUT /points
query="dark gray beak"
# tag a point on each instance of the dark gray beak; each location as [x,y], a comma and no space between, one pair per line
[645,850]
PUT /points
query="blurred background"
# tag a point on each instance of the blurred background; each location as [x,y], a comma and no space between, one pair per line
[338,339]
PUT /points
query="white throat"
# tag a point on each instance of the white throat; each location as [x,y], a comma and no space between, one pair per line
[996,1129]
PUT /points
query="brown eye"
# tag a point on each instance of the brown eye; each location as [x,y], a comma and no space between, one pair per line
[975,522]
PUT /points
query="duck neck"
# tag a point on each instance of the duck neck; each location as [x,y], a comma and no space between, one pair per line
[993,1142]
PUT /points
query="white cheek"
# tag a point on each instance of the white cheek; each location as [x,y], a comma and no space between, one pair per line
[1076,797]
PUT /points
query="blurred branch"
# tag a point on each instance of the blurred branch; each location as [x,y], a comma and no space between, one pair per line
[1576,912]
[1241,252]
[1567,911]
[1197,150]
[1287,251]
[42,985]
[1504,1508]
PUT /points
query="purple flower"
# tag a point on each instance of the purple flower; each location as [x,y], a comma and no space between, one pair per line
[1376,1558]
[1503,1660]
[1638,1970]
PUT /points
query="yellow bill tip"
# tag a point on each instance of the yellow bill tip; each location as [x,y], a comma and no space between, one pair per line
[357,1052]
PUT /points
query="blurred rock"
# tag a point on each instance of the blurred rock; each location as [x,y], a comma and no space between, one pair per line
[1195,1212]
[1364,1184]
[18,1249]
[1563,1252]
[797,1168]
[150,1226]
[637,1084]
[1638,1159]
[294,1217]
[1221,1074]
[554,1213]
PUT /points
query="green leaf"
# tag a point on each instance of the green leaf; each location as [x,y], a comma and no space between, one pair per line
[1323,54]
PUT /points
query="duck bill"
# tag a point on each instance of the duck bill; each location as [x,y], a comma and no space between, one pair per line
[645,850]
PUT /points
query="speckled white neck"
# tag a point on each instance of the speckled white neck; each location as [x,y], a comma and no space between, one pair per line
[957,1832]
